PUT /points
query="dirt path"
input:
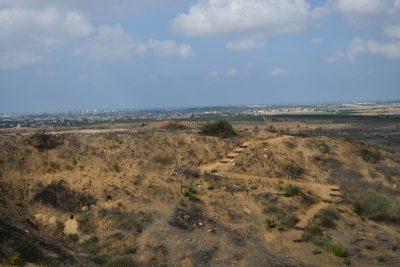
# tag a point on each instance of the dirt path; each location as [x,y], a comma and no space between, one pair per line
[326,192]
[309,214]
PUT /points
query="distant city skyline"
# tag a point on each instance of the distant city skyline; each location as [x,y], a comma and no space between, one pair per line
[70,55]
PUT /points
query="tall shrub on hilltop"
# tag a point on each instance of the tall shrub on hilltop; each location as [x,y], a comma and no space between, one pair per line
[219,128]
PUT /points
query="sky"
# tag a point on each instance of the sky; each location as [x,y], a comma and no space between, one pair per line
[69,55]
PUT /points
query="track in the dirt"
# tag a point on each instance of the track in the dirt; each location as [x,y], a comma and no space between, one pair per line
[327,192]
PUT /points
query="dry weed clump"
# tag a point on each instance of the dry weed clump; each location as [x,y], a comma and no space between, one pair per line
[176,126]
[43,141]
[60,196]
[220,128]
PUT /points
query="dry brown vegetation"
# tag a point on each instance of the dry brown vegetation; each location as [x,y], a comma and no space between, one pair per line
[180,198]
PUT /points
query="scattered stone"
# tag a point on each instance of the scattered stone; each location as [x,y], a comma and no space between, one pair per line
[186,216]
[247,210]
[347,262]
[316,252]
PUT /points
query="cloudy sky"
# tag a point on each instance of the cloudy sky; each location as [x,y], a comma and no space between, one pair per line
[83,54]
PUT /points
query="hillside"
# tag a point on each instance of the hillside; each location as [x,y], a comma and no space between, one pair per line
[180,198]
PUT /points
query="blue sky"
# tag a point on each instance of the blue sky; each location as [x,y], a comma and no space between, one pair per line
[84,54]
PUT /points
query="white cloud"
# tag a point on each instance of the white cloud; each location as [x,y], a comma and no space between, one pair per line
[16,59]
[34,33]
[77,24]
[393,31]
[111,44]
[336,57]
[213,73]
[362,7]
[397,4]
[360,46]
[169,48]
[246,44]
[232,72]
[317,41]
[279,72]
[266,17]
[89,7]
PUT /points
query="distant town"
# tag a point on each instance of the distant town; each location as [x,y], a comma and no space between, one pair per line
[237,113]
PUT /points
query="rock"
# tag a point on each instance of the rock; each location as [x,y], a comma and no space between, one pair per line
[316,252]
[347,261]
[186,216]
[247,210]
[85,208]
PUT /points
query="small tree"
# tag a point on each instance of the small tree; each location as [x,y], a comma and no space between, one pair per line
[220,128]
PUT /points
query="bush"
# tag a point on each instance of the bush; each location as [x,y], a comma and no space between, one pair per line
[130,221]
[291,190]
[43,141]
[191,192]
[324,148]
[327,217]
[220,128]
[163,160]
[316,234]
[370,156]
[91,245]
[290,144]
[294,171]
[85,223]
[59,196]
[376,207]
[27,251]
[189,172]
[338,250]
[120,261]
[289,220]
[175,126]
[114,166]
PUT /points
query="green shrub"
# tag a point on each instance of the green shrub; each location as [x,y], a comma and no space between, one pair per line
[338,250]
[289,220]
[85,223]
[120,261]
[316,234]
[327,217]
[99,259]
[376,207]
[175,126]
[272,224]
[60,196]
[324,148]
[43,141]
[369,155]
[163,160]
[220,128]
[290,144]
[91,245]
[291,190]
[114,166]
[27,251]
[15,259]
[191,191]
